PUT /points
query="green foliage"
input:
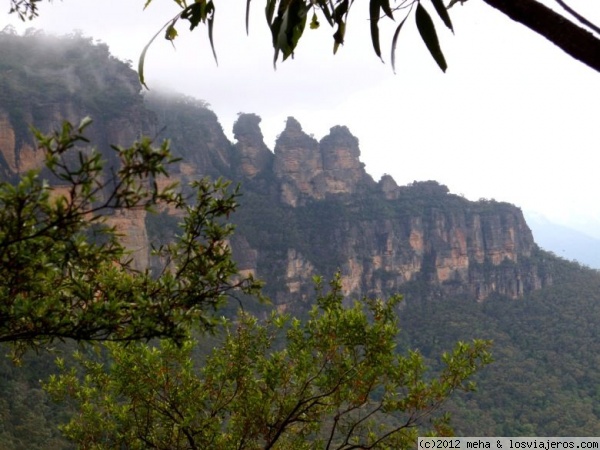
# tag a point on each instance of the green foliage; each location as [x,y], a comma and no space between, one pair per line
[573,33]
[334,380]
[199,11]
[545,374]
[67,274]
[29,419]
[427,31]
[286,20]
[25,9]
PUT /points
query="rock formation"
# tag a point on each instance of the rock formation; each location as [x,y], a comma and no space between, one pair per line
[254,156]
[298,164]
[308,169]
[308,208]
[444,246]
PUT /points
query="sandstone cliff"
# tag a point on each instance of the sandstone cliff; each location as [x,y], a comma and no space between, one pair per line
[195,134]
[308,208]
[45,80]
[382,237]
[423,246]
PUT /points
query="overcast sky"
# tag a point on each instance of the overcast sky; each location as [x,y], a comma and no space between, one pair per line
[514,118]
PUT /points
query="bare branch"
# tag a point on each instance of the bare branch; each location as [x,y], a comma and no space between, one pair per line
[577,42]
[578,16]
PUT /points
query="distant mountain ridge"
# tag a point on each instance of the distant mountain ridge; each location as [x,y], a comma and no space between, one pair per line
[565,241]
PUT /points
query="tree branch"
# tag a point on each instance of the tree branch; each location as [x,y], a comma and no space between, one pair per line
[572,39]
[579,17]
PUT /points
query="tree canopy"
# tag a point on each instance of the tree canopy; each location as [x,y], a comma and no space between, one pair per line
[575,34]
[332,381]
[66,273]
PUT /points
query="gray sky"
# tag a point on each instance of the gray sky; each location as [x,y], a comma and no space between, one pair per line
[513,118]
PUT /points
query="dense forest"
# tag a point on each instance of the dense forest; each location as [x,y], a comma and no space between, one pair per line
[544,379]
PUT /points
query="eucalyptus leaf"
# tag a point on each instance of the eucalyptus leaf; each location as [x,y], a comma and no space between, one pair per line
[298,13]
[395,42]
[453,2]
[341,10]
[324,5]
[385,5]
[339,36]
[443,13]
[275,28]
[374,8]
[270,11]
[339,14]
[288,27]
[142,59]
[210,23]
[282,43]
[248,16]
[428,34]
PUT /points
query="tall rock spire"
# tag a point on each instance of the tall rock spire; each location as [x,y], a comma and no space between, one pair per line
[311,169]
[254,156]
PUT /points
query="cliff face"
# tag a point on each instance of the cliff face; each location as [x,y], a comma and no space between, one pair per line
[45,80]
[382,237]
[422,246]
[308,208]
[195,135]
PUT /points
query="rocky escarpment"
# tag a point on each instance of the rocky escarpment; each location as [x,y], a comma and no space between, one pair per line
[45,80]
[308,207]
[382,237]
[195,135]
[423,242]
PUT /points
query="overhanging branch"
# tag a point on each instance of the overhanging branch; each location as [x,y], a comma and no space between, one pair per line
[579,17]
[574,40]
